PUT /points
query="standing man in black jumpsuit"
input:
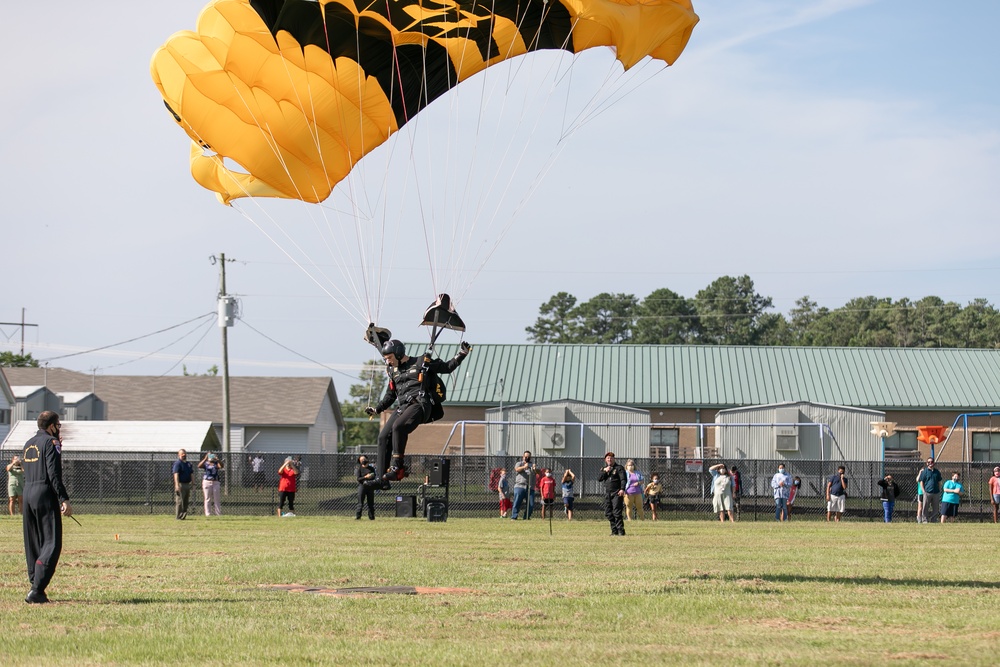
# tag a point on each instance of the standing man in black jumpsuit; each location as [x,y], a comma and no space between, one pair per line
[615,479]
[411,382]
[367,483]
[45,501]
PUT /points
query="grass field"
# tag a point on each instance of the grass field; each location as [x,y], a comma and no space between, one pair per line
[673,592]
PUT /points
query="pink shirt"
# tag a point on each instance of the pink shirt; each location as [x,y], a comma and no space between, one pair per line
[995,485]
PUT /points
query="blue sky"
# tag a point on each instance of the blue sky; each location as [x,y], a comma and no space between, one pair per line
[827,148]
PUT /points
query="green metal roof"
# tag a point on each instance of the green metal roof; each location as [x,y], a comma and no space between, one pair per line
[728,376]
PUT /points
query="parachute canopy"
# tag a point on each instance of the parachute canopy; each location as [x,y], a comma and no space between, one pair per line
[296,92]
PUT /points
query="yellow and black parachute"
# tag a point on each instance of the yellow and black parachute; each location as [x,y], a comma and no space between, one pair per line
[296,92]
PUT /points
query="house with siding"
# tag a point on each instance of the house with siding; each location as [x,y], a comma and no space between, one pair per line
[268,414]
[684,384]
[6,405]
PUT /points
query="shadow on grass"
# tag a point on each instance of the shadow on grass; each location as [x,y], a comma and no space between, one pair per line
[868,581]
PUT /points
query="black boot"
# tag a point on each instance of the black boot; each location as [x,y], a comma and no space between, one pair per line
[36,597]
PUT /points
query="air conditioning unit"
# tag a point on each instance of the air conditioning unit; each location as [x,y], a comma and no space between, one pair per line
[553,433]
[786,436]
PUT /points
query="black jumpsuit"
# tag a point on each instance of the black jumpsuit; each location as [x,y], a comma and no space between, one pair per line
[366,489]
[614,504]
[43,494]
[415,404]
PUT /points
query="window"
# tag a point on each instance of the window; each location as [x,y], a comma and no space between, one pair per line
[4,416]
[986,446]
[902,440]
[663,441]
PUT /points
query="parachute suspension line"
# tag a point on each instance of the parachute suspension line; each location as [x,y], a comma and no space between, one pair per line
[296,262]
[313,127]
[460,244]
[556,79]
[598,106]
[269,138]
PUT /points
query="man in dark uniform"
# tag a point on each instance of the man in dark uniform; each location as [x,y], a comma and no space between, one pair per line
[367,483]
[412,383]
[182,471]
[45,501]
[615,479]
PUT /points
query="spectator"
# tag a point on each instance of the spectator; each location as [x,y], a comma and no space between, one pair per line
[15,485]
[920,502]
[524,486]
[547,489]
[288,475]
[633,492]
[503,491]
[568,479]
[836,494]
[888,495]
[722,492]
[182,473]
[211,468]
[930,477]
[781,484]
[737,488]
[654,495]
[793,493]
[994,485]
[257,472]
[615,478]
[951,498]
[367,483]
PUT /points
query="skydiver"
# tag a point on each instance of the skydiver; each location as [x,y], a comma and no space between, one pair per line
[412,383]
[45,501]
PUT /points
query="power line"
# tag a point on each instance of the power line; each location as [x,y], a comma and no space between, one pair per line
[298,354]
[131,340]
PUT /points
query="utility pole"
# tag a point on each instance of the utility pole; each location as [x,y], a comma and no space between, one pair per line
[227,317]
[21,324]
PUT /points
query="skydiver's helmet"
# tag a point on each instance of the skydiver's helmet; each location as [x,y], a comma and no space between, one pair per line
[394,347]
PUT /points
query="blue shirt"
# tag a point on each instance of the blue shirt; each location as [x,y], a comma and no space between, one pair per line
[931,480]
[836,488]
[951,490]
[211,472]
[183,470]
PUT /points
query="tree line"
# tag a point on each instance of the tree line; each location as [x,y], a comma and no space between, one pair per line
[730,311]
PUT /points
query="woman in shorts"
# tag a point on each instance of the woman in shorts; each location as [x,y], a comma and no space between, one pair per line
[15,485]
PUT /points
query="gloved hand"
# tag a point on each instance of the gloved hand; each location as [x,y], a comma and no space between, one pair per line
[370,411]
[464,348]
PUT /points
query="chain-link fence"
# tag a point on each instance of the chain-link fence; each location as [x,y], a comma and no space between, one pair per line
[142,483]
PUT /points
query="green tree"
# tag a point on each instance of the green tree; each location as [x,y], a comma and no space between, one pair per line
[665,318]
[977,325]
[555,322]
[606,318]
[731,312]
[12,360]
[368,392]
[803,320]
[212,371]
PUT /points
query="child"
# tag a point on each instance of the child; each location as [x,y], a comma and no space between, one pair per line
[654,492]
[503,489]
[547,487]
[567,493]
[792,493]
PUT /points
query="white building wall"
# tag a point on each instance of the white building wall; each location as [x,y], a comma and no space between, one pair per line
[324,436]
[849,437]
[586,429]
